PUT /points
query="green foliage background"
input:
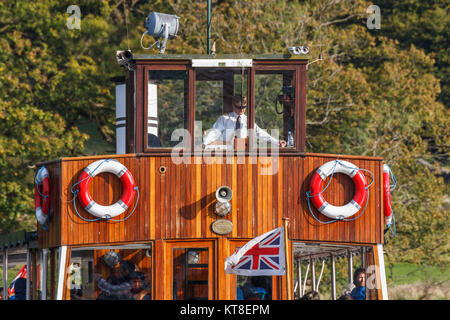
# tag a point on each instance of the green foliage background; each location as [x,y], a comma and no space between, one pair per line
[380,92]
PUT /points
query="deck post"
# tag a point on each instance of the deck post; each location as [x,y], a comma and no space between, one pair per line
[34,276]
[350,267]
[306,277]
[382,273]
[313,274]
[287,260]
[363,257]
[333,278]
[5,274]
[44,274]
[299,277]
[61,271]
[28,282]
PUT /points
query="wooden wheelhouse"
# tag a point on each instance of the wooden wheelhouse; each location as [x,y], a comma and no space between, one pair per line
[171,231]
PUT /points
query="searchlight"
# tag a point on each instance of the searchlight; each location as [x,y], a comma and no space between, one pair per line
[160,25]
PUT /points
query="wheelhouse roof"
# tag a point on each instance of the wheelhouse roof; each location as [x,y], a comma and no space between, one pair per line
[222,56]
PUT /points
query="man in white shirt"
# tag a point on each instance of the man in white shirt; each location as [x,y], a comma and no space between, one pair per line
[234,124]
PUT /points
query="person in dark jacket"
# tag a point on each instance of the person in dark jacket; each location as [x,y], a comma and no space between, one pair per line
[359,279]
[254,289]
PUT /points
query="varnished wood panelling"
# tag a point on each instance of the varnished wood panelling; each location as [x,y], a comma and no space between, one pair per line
[179,203]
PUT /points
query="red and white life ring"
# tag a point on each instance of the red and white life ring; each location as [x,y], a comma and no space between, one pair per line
[387,195]
[128,186]
[42,195]
[351,207]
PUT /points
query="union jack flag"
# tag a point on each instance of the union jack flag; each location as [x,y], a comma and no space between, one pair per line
[21,274]
[261,256]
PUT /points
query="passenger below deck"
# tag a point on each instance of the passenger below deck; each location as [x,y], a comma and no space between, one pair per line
[254,288]
[140,289]
[359,280]
[235,124]
[119,285]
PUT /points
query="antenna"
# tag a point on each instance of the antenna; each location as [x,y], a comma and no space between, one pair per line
[126,22]
[320,44]
[160,25]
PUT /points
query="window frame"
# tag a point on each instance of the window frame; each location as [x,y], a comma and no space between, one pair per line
[248,71]
[188,95]
[298,104]
[210,245]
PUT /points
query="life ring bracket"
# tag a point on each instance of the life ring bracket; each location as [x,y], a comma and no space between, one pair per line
[360,196]
[113,210]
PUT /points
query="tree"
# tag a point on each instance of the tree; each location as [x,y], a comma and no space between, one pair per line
[38,68]
[426,25]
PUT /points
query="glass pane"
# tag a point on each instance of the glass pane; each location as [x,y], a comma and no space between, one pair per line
[166,107]
[254,288]
[214,113]
[274,105]
[190,273]
[49,276]
[104,274]
[81,275]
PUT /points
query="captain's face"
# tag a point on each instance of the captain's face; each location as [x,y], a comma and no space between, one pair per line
[239,108]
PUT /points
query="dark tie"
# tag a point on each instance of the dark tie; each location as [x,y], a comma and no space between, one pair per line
[238,123]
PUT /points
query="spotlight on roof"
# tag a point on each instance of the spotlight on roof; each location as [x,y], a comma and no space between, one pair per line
[160,25]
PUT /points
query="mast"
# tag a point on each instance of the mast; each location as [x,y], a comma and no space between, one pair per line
[208,26]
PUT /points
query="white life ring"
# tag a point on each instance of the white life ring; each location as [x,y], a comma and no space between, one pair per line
[351,207]
[387,195]
[42,195]
[128,186]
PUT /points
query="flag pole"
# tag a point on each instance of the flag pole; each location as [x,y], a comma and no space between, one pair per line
[288,266]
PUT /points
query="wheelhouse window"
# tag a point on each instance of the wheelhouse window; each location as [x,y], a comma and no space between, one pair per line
[215,110]
[166,108]
[275,105]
